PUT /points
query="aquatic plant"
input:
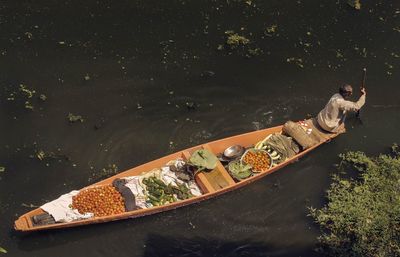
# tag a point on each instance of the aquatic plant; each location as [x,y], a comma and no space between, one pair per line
[106,172]
[254,52]
[25,95]
[2,250]
[43,97]
[234,40]
[26,91]
[298,61]
[74,118]
[43,155]
[239,44]
[361,217]
[271,29]
[355,4]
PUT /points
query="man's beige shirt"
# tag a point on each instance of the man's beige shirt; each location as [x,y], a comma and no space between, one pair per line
[332,116]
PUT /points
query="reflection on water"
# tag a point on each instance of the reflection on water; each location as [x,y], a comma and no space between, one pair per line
[163,246]
[148,79]
[157,245]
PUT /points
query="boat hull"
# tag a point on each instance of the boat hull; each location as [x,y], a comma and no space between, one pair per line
[24,223]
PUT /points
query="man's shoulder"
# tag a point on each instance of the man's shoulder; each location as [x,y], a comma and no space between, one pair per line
[337,97]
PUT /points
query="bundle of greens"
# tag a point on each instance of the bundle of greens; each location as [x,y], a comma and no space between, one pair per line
[238,170]
[159,193]
[203,160]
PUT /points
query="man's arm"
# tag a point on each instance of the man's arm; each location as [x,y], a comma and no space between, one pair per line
[353,106]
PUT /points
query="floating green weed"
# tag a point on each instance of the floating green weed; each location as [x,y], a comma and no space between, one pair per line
[74,118]
[43,97]
[26,91]
[106,172]
[271,29]
[362,215]
[239,44]
[298,61]
[234,40]
[2,250]
[355,4]
[24,95]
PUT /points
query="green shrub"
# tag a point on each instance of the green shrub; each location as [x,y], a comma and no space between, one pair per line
[362,216]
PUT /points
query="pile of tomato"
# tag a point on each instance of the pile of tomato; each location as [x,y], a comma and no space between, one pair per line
[259,160]
[100,200]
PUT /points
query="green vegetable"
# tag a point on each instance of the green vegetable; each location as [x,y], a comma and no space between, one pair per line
[239,171]
[158,193]
[152,198]
[203,159]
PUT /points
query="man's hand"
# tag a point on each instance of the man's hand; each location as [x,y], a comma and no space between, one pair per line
[363,91]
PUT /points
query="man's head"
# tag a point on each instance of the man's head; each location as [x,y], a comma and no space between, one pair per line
[346,90]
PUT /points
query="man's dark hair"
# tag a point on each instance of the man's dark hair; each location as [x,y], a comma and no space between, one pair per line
[345,90]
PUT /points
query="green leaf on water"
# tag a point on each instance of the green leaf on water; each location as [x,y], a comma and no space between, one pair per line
[74,118]
[2,169]
[43,97]
[355,4]
[2,250]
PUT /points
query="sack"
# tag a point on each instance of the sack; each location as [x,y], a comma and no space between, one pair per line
[295,130]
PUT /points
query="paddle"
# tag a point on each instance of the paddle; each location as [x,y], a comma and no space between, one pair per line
[362,86]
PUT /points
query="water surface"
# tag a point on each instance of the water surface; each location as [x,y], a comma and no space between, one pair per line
[129,68]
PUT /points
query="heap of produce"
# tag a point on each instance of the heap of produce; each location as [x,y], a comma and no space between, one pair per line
[279,147]
[101,201]
[259,160]
[262,145]
[159,193]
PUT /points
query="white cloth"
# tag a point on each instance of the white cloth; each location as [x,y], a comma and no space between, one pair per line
[61,208]
[62,211]
[134,184]
[169,176]
[332,116]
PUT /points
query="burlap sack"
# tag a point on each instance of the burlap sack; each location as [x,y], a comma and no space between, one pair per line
[295,130]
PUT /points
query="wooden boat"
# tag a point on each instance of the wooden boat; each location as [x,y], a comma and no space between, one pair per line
[212,183]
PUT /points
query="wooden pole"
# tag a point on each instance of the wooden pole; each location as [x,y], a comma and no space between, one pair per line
[362,86]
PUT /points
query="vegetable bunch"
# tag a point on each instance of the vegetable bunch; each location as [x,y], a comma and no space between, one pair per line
[238,170]
[159,193]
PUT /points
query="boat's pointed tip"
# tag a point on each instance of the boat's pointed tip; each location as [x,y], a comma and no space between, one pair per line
[21,224]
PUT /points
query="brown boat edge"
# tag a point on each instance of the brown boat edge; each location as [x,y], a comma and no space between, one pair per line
[209,189]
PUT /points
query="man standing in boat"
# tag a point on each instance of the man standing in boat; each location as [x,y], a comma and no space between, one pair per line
[332,117]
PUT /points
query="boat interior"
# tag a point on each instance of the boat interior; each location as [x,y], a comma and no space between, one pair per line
[211,183]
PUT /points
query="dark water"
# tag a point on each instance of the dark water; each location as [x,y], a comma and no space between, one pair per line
[129,68]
